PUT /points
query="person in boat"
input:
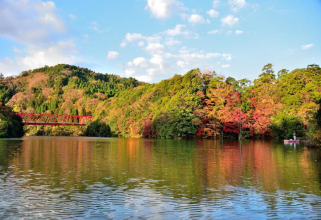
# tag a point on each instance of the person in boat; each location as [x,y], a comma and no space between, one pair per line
[294,136]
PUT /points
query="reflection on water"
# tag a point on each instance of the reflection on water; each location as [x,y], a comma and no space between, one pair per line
[117,178]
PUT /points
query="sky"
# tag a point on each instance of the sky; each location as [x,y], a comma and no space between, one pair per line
[152,40]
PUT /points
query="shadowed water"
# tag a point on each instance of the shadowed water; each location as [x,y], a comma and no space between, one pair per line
[44,177]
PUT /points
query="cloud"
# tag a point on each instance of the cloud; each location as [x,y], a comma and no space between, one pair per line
[216,3]
[166,36]
[237,4]
[238,32]
[225,66]
[123,44]
[196,19]
[95,27]
[144,78]
[133,37]
[307,46]
[229,20]
[162,9]
[154,48]
[42,35]
[161,59]
[112,55]
[160,64]
[37,56]
[212,13]
[214,32]
[140,61]
[152,67]
[227,57]
[137,37]
[181,63]
[178,30]
[30,21]
[172,42]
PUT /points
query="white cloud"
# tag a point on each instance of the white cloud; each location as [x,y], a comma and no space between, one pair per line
[30,21]
[238,32]
[95,27]
[154,48]
[163,8]
[196,19]
[157,60]
[152,67]
[154,42]
[214,32]
[140,61]
[307,46]
[225,66]
[229,20]
[160,64]
[42,35]
[236,4]
[144,78]
[37,56]
[112,55]
[178,30]
[216,3]
[133,37]
[181,63]
[162,60]
[227,57]
[129,71]
[172,42]
[212,13]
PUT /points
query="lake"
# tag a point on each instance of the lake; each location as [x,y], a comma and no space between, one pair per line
[102,178]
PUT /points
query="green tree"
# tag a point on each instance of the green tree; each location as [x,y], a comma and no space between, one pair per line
[10,124]
[267,75]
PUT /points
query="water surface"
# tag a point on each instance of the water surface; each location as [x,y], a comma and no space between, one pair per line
[50,177]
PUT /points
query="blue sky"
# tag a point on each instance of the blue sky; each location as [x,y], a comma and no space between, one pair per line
[152,40]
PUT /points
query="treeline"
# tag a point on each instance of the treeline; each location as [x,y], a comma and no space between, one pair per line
[207,105]
[194,105]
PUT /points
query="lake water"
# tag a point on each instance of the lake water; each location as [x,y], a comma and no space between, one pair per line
[62,177]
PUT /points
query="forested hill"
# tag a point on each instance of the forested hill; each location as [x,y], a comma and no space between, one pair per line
[65,89]
[204,105]
[61,89]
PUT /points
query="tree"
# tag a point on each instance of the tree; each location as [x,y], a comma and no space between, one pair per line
[230,80]
[282,72]
[174,124]
[267,75]
[10,124]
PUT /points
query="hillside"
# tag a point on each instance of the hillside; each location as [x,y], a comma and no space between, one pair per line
[63,89]
[196,104]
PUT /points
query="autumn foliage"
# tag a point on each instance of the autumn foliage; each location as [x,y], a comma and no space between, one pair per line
[194,105]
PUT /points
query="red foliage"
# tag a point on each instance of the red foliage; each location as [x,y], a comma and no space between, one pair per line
[147,128]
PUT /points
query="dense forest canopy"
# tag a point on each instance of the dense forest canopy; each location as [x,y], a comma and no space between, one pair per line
[203,105]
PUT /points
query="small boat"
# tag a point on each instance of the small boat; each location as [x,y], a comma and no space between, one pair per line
[291,141]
